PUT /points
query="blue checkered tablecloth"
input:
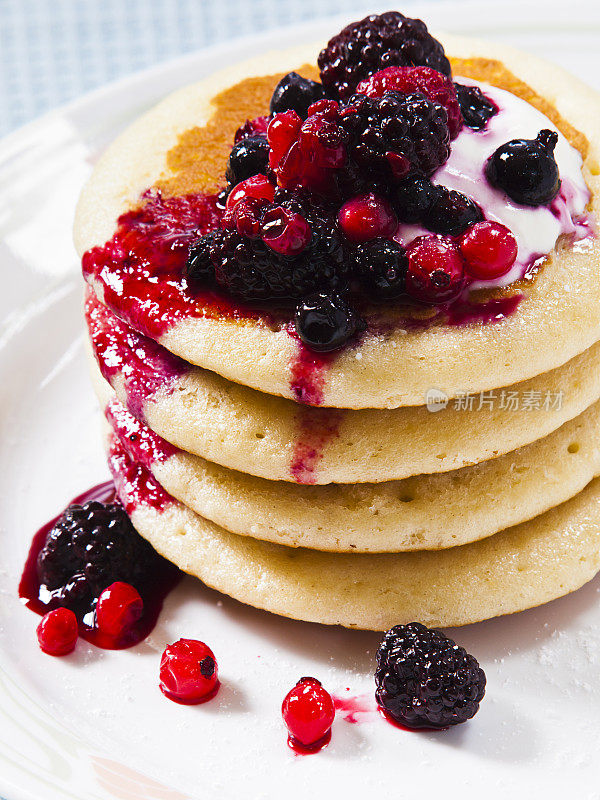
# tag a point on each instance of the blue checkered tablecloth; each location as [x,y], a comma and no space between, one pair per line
[52,51]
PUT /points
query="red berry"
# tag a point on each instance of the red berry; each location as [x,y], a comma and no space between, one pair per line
[282,133]
[245,216]
[367,217]
[58,631]
[257,186]
[435,269]
[188,671]
[308,711]
[284,231]
[118,609]
[489,249]
[429,82]
[252,127]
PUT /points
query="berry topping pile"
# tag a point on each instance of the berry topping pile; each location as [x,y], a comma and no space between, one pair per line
[286,247]
[320,195]
[425,680]
[526,169]
[335,200]
[308,712]
[93,551]
[374,43]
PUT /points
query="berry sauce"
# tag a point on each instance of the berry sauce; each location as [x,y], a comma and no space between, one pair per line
[141,444]
[144,365]
[314,431]
[166,578]
[140,270]
[134,484]
[300,749]
[354,709]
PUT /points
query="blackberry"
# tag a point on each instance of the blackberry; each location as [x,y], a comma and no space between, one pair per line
[413,197]
[389,137]
[381,266]
[250,156]
[451,212]
[476,108]
[293,92]
[90,547]
[199,267]
[252,269]
[376,42]
[526,169]
[325,321]
[425,680]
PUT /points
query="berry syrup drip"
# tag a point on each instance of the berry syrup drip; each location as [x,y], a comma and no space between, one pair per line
[134,484]
[315,429]
[140,443]
[145,366]
[163,579]
[307,374]
[494,310]
[140,270]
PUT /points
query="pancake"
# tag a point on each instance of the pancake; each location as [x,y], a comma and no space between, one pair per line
[525,566]
[245,430]
[181,146]
[420,513]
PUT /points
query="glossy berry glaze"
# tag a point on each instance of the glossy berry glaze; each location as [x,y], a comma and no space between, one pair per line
[139,442]
[140,269]
[163,581]
[147,368]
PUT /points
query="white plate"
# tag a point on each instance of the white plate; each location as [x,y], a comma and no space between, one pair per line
[94,726]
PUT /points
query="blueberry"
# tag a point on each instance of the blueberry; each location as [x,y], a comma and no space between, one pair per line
[476,108]
[325,322]
[250,156]
[451,212]
[526,169]
[293,92]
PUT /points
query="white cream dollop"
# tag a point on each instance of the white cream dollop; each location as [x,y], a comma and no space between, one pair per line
[535,229]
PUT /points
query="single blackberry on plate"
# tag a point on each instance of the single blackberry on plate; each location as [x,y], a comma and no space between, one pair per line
[425,680]
[376,42]
[293,92]
[389,137]
[381,265]
[526,169]
[476,108]
[413,197]
[296,247]
[325,321]
[89,548]
[250,156]
[451,212]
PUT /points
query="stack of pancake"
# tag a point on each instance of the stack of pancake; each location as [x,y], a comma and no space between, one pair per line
[437,473]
